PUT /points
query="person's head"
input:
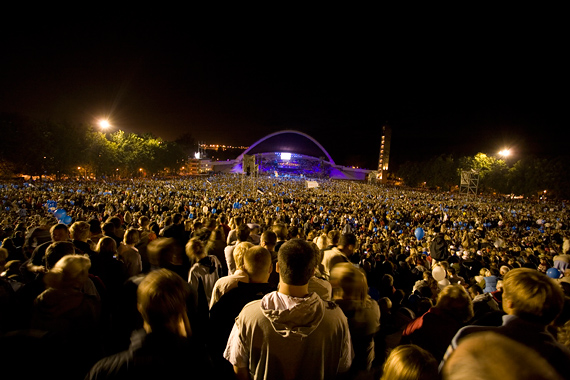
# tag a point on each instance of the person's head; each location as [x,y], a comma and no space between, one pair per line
[296,262]
[163,252]
[131,237]
[195,249]
[116,221]
[177,218]
[80,231]
[56,250]
[106,247]
[70,272]
[108,229]
[347,243]
[333,237]
[475,290]
[385,305]
[321,242]
[503,270]
[161,300]
[238,221]
[144,221]
[210,223]
[257,264]
[268,240]
[59,232]
[349,282]
[531,295]
[410,362]
[243,232]
[294,232]
[454,301]
[239,251]
[95,227]
[492,356]
[280,230]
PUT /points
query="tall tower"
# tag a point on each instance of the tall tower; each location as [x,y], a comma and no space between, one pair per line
[384,153]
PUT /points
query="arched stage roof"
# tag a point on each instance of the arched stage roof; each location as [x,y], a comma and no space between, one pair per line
[290,141]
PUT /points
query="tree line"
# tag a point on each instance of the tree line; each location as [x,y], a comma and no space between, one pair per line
[530,176]
[60,148]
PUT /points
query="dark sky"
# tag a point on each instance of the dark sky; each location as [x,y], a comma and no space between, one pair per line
[444,89]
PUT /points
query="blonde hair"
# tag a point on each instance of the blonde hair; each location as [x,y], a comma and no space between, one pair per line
[256,261]
[195,249]
[349,282]
[80,231]
[534,296]
[410,362]
[492,356]
[71,271]
[455,301]
[161,300]
[131,236]
[239,252]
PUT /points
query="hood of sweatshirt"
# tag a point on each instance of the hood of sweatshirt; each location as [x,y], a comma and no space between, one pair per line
[292,316]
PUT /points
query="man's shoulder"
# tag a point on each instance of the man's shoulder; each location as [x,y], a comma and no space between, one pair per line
[251,309]
[334,251]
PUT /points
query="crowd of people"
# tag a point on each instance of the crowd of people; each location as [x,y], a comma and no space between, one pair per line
[242,277]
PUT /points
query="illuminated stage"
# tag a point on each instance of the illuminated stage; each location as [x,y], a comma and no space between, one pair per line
[291,153]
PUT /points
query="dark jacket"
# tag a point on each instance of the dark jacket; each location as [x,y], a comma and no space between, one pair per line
[158,355]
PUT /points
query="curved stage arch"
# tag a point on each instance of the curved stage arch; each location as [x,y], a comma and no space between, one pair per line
[307,149]
[289,131]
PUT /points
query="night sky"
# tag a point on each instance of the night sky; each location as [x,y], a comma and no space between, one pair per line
[458,88]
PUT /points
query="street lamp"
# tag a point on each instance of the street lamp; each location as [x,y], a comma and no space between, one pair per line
[104,123]
[505,152]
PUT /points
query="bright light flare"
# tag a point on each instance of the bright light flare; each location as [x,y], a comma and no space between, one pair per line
[505,152]
[103,123]
[286,156]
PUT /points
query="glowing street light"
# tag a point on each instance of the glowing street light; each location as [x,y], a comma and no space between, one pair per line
[104,123]
[505,152]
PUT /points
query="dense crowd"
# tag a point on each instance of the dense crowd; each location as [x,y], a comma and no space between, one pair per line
[411,270]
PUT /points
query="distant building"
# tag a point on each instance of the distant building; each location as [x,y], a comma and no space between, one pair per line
[196,166]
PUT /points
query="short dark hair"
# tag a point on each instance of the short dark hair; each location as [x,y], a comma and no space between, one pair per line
[177,218]
[243,232]
[297,260]
[56,250]
[269,237]
[346,240]
[59,226]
